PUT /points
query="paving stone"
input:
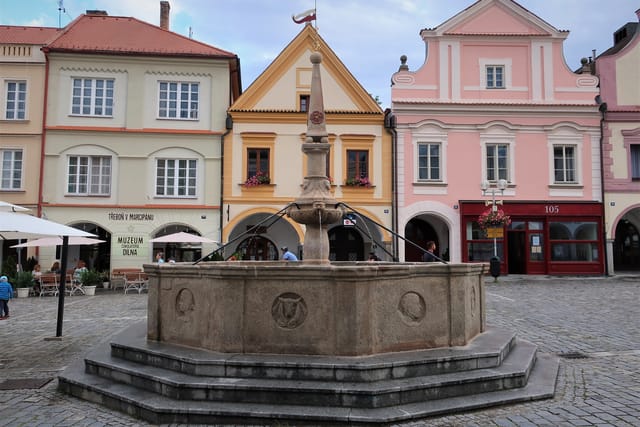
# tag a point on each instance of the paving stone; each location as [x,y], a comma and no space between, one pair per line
[555,313]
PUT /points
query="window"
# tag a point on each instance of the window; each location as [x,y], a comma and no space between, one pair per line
[92,97]
[634,151]
[11,170]
[574,241]
[304,102]
[357,164]
[564,164]
[428,162]
[257,162]
[89,175]
[495,76]
[178,100]
[497,162]
[16,101]
[176,177]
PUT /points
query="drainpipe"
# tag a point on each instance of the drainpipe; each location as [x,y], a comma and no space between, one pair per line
[42,137]
[602,107]
[390,125]
[228,124]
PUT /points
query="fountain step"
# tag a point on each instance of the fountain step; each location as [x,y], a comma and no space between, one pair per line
[512,373]
[487,350]
[159,409]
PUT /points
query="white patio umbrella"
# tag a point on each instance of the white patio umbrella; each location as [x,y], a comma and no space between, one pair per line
[182,237]
[8,207]
[57,241]
[15,225]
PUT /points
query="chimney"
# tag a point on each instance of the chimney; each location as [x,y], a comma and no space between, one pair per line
[164,15]
[94,12]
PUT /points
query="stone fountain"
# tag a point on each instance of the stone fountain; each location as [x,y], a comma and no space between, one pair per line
[311,342]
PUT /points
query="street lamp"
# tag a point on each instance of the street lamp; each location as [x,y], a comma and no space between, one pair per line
[501,185]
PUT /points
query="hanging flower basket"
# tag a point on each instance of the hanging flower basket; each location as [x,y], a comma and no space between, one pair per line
[492,219]
[259,178]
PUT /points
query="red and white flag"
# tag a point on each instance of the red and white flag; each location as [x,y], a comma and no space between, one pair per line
[307,16]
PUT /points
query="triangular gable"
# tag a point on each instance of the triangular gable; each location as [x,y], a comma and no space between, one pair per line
[296,54]
[503,17]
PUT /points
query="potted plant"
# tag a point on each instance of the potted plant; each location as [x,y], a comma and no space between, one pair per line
[22,281]
[90,279]
[362,181]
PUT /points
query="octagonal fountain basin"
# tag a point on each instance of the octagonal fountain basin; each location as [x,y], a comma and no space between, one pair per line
[332,309]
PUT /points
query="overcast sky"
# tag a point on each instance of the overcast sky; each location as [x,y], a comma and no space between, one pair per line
[369,36]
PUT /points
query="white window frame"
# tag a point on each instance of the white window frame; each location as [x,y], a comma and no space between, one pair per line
[507,69]
[91,100]
[565,169]
[429,167]
[190,111]
[573,188]
[493,148]
[169,180]
[19,99]
[499,138]
[97,172]
[11,169]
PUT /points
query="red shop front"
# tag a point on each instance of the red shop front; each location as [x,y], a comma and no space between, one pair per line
[542,238]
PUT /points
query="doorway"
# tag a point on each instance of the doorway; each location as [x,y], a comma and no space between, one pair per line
[345,244]
[517,252]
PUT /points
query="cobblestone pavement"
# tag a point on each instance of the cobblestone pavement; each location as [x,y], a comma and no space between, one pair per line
[591,323]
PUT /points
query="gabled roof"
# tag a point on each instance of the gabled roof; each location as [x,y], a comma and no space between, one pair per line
[481,18]
[308,40]
[27,35]
[103,34]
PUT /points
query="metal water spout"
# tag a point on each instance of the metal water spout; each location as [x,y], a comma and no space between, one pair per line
[315,207]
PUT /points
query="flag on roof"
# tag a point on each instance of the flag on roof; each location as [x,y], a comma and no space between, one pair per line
[307,16]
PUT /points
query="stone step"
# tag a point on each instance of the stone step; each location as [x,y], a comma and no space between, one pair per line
[512,373]
[487,350]
[159,409]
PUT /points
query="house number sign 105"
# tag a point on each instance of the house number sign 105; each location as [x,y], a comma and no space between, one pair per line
[551,209]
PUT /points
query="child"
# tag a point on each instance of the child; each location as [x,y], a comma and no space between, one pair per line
[6,293]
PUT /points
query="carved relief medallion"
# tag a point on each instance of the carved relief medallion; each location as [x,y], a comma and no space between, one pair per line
[185,304]
[412,308]
[289,310]
[316,117]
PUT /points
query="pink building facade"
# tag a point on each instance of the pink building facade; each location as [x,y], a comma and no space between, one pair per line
[495,102]
[618,70]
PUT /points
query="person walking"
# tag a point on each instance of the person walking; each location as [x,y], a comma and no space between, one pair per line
[288,256]
[6,293]
[430,256]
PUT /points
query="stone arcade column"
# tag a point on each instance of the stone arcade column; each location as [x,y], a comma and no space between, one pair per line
[315,208]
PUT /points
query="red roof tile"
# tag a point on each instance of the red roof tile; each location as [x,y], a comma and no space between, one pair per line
[128,36]
[27,35]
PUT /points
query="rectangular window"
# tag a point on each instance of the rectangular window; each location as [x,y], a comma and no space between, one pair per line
[574,241]
[16,106]
[497,162]
[178,100]
[92,97]
[176,177]
[357,164]
[11,170]
[634,151]
[428,162]
[564,164]
[304,103]
[257,162]
[495,76]
[89,175]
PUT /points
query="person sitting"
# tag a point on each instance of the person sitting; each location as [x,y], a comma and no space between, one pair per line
[373,257]
[77,273]
[55,267]
[288,256]
[36,273]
